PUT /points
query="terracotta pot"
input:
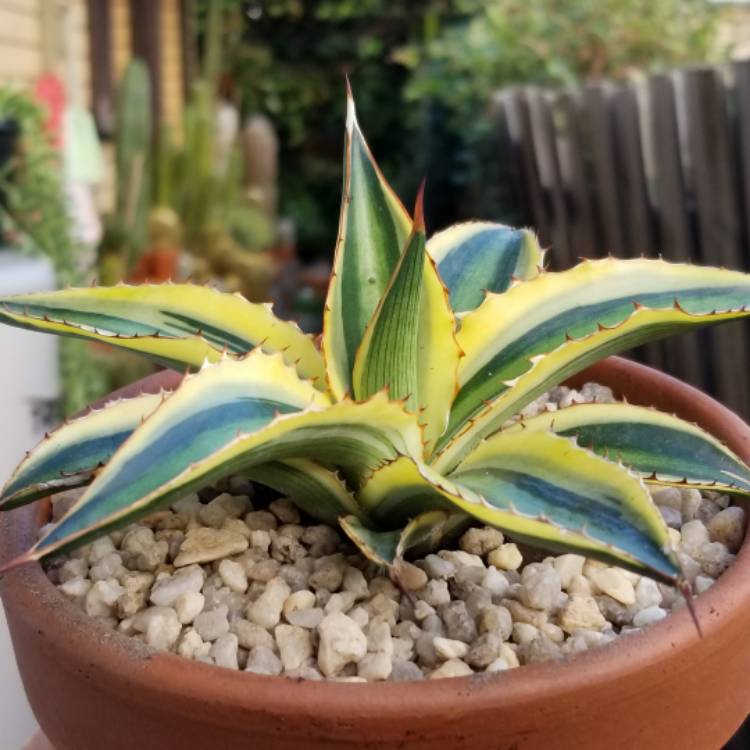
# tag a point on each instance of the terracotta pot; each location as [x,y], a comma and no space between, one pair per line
[664,688]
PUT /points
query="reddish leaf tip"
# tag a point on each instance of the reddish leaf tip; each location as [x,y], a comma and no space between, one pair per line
[419,208]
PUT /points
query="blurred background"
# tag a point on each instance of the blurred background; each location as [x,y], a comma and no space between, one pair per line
[146,140]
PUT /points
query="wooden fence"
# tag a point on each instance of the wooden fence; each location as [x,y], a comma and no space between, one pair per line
[659,166]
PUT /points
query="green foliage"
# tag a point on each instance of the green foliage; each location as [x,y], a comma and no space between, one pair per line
[445,58]
[36,215]
[403,426]
[132,159]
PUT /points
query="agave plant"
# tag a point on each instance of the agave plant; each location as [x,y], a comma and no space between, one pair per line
[401,426]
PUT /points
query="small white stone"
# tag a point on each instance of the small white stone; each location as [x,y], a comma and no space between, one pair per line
[109,566]
[506,557]
[648,616]
[354,581]
[460,558]
[188,606]
[212,624]
[266,609]
[166,590]
[233,575]
[580,585]
[714,558]
[162,632]
[295,645]
[341,642]
[670,497]
[375,666]
[694,535]
[261,660]
[523,633]
[75,588]
[204,545]
[297,601]
[691,503]
[612,582]
[379,638]
[703,583]
[581,613]
[728,527]
[143,618]
[100,548]
[73,568]
[496,619]
[222,507]
[251,635]
[437,567]
[358,614]
[435,592]
[499,665]
[480,541]
[422,609]
[189,643]
[306,618]
[672,516]
[285,510]
[447,648]
[451,668]
[541,586]
[647,594]
[101,598]
[495,583]
[567,567]
[341,601]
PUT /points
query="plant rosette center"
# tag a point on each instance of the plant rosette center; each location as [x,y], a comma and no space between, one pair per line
[226,578]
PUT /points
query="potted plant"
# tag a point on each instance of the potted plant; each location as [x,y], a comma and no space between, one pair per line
[400,428]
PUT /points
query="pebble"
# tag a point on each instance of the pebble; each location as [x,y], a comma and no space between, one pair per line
[506,557]
[447,648]
[262,660]
[614,583]
[648,616]
[263,590]
[581,613]
[166,591]
[266,609]
[728,527]
[224,651]
[541,586]
[206,544]
[341,642]
[188,606]
[451,668]
[212,624]
[233,575]
[295,645]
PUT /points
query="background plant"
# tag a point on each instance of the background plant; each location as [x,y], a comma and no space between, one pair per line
[35,217]
[445,58]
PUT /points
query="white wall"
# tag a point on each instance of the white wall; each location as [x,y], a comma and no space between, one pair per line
[28,382]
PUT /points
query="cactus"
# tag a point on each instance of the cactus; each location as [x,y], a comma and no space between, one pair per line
[402,424]
[132,159]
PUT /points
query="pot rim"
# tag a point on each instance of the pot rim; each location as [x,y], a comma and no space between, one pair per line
[120,657]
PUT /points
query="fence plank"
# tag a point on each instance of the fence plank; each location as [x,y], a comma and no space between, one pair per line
[518,119]
[639,231]
[597,116]
[715,186]
[741,74]
[570,149]
[676,241]
[548,165]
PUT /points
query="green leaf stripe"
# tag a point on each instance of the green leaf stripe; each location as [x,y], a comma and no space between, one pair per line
[479,256]
[663,448]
